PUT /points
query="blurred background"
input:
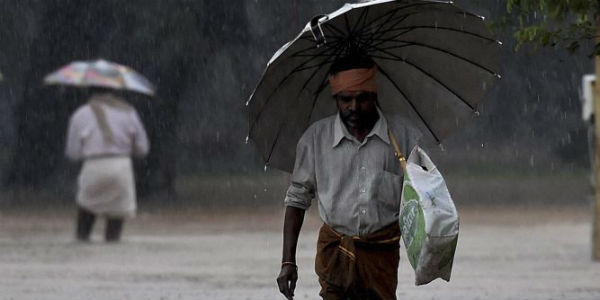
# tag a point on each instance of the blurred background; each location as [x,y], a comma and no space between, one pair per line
[205,58]
[527,148]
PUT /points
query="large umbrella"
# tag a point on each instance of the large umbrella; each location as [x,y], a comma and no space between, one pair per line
[100,73]
[435,62]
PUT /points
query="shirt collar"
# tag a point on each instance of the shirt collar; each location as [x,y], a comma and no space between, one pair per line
[340,131]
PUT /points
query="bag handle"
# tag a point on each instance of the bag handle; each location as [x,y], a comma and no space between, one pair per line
[399,156]
[397,152]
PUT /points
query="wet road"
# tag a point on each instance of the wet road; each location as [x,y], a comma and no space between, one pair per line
[520,253]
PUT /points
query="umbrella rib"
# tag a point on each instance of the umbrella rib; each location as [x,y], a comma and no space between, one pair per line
[466,13]
[372,45]
[358,27]
[306,68]
[364,24]
[348,45]
[430,76]
[408,44]
[303,68]
[362,37]
[397,9]
[377,36]
[271,96]
[334,28]
[347,22]
[362,16]
[305,62]
[312,55]
[283,80]
[371,36]
[316,97]
[390,16]
[411,28]
[391,28]
[405,15]
[319,90]
[274,144]
[315,73]
[326,61]
[322,86]
[295,70]
[401,19]
[312,47]
[412,105]
[380,35]
[311,39]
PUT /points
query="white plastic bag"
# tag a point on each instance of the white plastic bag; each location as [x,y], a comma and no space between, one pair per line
[428,219]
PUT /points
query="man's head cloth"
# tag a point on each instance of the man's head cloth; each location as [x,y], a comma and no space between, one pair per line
[353,73]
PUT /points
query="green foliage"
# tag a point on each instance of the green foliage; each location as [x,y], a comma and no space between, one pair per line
[553,23]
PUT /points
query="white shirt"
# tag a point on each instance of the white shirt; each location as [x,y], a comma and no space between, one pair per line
[358,185]
[85,139]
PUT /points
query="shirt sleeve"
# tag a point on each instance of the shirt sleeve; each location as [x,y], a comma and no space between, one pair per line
[141,145]
[302,187]
[74,148]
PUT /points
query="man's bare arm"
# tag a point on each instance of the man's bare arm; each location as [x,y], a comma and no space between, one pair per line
[294,217]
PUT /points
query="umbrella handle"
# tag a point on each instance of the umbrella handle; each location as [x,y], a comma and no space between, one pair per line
[397,151]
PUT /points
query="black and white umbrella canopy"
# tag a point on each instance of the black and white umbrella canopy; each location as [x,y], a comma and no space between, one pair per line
[435,62]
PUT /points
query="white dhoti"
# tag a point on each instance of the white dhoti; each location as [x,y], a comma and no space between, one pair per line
[106,187]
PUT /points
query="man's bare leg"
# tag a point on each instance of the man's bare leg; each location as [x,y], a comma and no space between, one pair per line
[85,223]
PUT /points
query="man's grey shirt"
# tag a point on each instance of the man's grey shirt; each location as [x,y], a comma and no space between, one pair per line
[357,185]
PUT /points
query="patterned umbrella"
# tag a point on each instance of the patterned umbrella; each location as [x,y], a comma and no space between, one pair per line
[435,62]
[100,73]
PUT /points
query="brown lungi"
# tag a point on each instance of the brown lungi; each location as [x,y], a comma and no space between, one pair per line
[352,267]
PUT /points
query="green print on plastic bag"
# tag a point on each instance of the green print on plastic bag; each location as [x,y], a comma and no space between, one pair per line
[412,223]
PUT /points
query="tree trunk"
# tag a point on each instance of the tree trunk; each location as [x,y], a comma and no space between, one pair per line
[596,205]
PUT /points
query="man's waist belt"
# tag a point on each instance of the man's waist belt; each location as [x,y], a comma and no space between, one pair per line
[339,256]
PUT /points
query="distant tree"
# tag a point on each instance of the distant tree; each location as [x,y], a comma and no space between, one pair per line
[554,23]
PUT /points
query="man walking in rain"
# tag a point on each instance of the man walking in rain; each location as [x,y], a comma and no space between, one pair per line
[104,133]
[347,163]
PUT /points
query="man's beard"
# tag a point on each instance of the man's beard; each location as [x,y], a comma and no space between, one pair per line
[359,120]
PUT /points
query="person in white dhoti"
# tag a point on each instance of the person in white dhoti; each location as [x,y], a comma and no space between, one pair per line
[105,133]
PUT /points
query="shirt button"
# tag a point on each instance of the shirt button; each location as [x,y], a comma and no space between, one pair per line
[363,168]
[363,211]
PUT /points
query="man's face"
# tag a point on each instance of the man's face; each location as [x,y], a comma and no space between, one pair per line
[358,109]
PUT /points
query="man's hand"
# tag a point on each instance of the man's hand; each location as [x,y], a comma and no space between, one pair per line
[287,280]
[289,271]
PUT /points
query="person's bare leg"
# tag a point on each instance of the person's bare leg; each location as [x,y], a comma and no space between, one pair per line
[114,227]
[85,223]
